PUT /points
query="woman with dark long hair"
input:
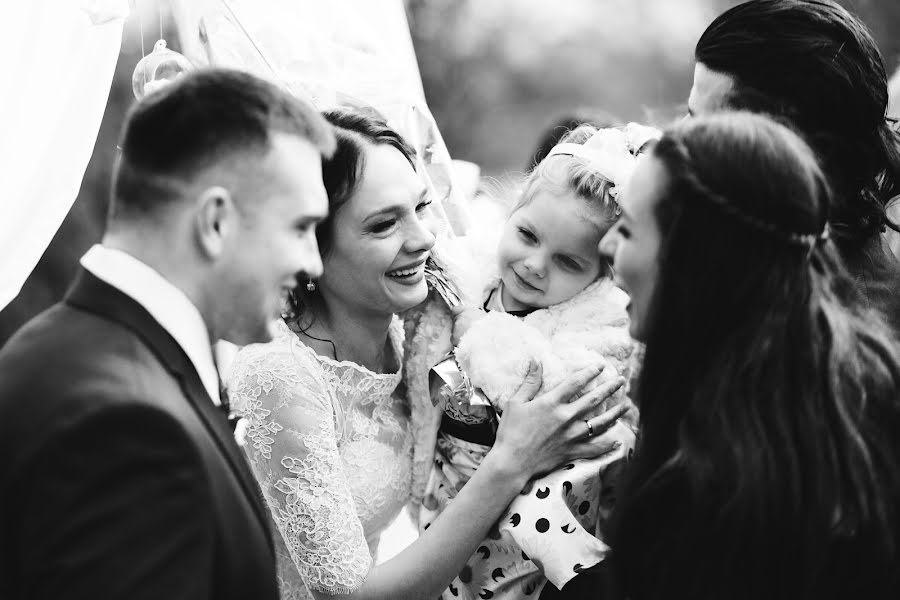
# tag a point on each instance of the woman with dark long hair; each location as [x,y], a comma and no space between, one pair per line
[769,462]
[815,66]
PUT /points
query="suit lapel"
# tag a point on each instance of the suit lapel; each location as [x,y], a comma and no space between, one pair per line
[218,426]
[96,296]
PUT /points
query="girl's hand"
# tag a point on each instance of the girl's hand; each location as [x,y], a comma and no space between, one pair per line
[463,318]
[537,434]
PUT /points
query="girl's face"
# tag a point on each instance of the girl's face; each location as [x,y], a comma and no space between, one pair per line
[382,236]
[633,243]
[548,251]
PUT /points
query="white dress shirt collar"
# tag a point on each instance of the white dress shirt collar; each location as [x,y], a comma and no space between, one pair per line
[167,304]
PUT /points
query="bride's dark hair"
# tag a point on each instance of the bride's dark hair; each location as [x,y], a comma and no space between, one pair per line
[815,64]
[769,462]
[354,129]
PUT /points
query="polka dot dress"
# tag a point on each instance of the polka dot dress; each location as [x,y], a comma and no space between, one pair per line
[551,531]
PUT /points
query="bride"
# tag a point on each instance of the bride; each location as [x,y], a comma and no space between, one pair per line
[330,439]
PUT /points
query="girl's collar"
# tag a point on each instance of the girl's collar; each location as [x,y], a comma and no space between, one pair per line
[494,302]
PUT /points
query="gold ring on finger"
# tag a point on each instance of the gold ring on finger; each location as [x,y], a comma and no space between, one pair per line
[590,427]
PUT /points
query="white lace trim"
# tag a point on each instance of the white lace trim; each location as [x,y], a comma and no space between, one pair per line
[395,335]
[331,447]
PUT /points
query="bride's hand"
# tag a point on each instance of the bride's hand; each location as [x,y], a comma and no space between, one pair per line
[539,433]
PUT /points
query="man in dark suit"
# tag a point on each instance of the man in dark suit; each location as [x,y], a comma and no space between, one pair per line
[120,475]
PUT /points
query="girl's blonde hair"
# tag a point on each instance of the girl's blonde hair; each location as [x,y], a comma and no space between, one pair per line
[563,173]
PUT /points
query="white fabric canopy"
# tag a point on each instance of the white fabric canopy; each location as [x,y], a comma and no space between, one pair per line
[57,58]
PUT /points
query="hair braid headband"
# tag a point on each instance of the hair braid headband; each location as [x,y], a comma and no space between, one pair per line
[611,152]
[802,240]
[703,193]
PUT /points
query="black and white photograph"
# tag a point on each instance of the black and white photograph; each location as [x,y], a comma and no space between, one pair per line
[454,299]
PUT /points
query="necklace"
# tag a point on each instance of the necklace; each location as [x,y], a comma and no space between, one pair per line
[381,361]
[294,325]
[333,347]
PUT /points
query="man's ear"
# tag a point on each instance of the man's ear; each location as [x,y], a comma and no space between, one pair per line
[215,219]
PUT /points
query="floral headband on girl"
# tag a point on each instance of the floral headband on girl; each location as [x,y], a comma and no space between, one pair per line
[612,152]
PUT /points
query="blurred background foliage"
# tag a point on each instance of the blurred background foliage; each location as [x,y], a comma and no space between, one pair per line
[496,74]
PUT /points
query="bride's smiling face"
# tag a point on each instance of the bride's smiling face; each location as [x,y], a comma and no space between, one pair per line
[381,238]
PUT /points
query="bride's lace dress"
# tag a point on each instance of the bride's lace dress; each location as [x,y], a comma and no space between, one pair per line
[330,444]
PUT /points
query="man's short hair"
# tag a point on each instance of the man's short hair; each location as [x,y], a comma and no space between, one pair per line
[201,120]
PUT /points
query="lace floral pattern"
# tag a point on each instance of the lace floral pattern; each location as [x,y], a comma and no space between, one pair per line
[331,446]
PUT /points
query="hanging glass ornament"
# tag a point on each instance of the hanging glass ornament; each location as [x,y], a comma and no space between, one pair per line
[157,69]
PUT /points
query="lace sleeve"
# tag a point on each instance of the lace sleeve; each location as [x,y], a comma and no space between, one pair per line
[292,444]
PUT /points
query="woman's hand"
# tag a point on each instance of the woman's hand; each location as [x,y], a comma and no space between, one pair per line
[539,433]
[463,319]
[534,436]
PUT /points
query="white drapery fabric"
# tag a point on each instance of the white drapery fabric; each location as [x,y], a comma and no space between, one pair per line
[57,58]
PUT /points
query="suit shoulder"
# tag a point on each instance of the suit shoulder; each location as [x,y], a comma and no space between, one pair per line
[65,343]
[66,364]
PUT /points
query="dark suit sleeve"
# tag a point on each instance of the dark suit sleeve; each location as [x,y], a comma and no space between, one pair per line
[117,506]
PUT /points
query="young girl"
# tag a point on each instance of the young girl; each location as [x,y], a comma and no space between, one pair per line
[551,300]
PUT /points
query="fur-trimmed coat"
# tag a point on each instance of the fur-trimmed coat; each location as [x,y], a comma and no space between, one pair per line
[589,329]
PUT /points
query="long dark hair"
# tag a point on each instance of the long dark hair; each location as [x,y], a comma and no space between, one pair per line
[770,441]
[342,174]
[816,65]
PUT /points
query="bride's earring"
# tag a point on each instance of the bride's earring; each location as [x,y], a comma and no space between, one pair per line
[310,286]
